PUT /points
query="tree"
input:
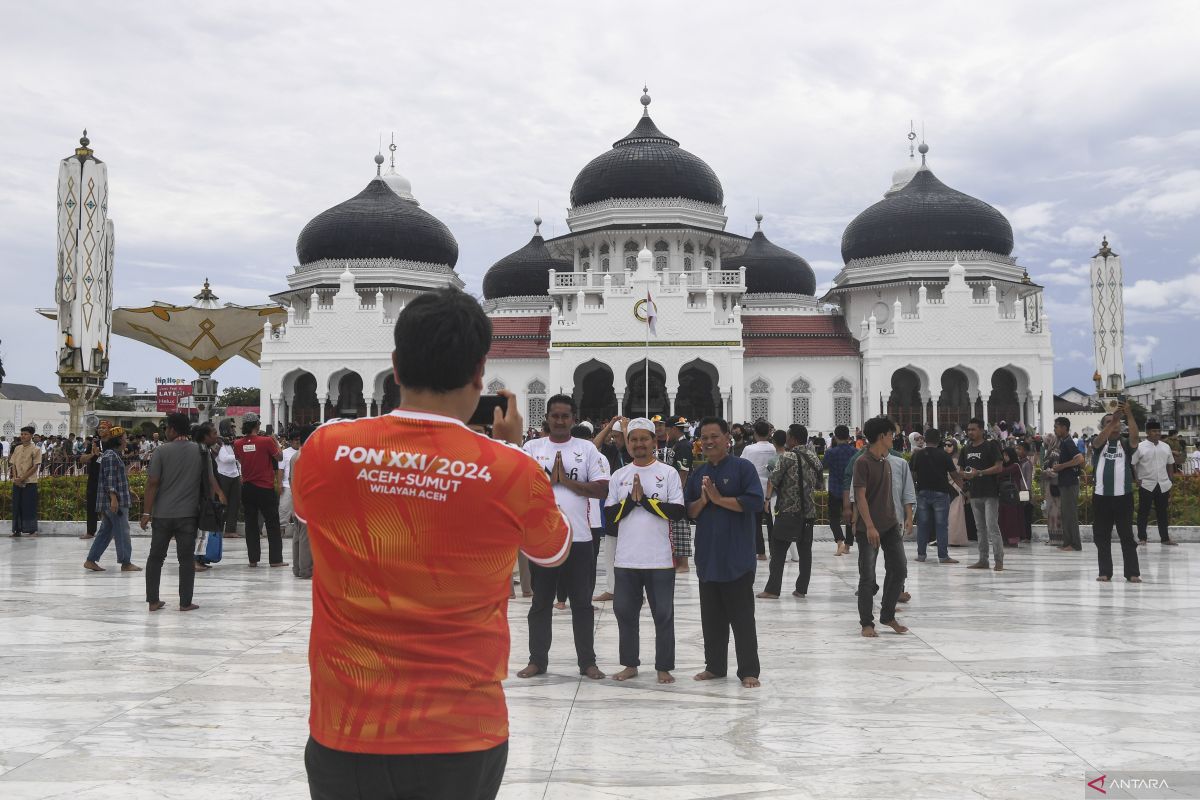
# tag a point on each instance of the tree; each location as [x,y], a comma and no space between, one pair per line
[239,396]
[1139,413]
[107,403]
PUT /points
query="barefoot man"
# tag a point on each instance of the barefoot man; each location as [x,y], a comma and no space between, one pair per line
[878,529]
[644,498]
[724,496]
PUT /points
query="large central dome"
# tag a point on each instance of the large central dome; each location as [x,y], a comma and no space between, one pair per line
[926,215]
[377,223]
[646,164]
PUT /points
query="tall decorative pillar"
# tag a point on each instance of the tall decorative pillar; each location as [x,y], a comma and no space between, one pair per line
[83,282]
[1108,324]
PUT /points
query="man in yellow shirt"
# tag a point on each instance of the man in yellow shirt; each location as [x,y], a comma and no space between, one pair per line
[25,462]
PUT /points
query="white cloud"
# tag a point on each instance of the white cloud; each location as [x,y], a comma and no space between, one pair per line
[1032,217]
[1059,263]
[1159,144]
[1176,297]
[1139,350]
[1065,275]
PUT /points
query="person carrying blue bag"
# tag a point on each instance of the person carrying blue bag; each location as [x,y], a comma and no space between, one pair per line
[211,517]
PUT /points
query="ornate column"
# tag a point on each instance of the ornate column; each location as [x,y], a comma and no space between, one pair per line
[934,398]
[925,415]
[620,403]
[984,398]
[322,400]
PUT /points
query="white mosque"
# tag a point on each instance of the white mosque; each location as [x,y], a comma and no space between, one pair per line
[931,320]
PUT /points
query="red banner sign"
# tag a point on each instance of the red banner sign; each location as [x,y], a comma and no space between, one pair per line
[170,395]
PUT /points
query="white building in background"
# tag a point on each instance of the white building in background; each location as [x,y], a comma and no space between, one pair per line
[931,319]
[22,404]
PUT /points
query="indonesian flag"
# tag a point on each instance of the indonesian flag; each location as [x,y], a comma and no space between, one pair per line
[651,313]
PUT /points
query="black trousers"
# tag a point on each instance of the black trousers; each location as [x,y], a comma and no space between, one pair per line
[1108,512]
[338,775]
[762,518]
[93,486]
[576,574]
[1160,501]
[779,551]
[162,531]
[725,606]
[232,487]
[659,588]
[896,564]
[257,500]
[835,519]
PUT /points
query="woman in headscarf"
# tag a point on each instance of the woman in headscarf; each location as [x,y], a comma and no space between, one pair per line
[916,442]
[1051,501]
[958,514]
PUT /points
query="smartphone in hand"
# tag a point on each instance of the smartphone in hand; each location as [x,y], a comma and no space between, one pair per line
[485,412]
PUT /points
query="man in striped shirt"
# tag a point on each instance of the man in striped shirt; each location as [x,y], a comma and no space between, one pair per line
[1112,504]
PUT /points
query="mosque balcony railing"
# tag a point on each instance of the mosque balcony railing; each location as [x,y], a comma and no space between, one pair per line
[670,281]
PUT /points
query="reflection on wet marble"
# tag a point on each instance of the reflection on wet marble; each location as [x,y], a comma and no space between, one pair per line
[1010,685]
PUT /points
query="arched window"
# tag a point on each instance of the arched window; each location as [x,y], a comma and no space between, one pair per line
[843,405]
[604,249]
[687,263]
[688,248]
[604,263]
[631,251]
[584,252]
[661,251]
[495,386]
[801,401]
[10,430]
[535,403]
[632,247]
[630,263]
[708,263]
[62,429]
[586,265]
[47,429]
[760,400]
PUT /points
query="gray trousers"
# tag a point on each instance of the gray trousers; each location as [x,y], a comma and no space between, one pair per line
[986,511]
[1068,501]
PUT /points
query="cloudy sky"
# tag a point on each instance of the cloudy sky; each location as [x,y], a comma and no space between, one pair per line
[226,126]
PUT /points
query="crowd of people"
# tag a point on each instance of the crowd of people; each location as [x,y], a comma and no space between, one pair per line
[411,526]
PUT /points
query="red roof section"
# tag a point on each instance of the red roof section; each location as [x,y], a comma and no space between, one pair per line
[781,336]
[520,337]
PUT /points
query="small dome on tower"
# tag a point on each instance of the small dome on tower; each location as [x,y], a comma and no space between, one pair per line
[770,269]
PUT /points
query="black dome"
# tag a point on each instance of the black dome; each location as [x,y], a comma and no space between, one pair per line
[771,269]
[524,273]
[646,163]
[926,215]
[377,223]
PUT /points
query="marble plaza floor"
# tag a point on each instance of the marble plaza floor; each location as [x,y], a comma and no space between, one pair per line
[1010,685]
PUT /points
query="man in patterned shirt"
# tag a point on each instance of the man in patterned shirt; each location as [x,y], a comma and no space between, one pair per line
[112,503]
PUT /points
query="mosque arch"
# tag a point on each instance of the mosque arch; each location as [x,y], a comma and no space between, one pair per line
[904,404]
[635,390]
[346,399]
[955,401]
[594,390]
[698,395]
[1004,402]
[304,408]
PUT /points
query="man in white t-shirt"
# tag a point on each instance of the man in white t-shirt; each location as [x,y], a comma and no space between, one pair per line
[578,473]
[285,466]
[643,499]
[760,454]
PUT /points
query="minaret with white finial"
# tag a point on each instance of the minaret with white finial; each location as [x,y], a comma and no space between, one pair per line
[1108,324]
[83,282]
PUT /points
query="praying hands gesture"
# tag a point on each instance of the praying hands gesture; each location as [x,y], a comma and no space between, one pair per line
[636,494]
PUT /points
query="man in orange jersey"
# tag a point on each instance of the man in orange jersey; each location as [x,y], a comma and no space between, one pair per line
[415,522]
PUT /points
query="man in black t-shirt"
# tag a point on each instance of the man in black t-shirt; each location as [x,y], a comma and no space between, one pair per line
[979,463]
[933,469]
[1069,462]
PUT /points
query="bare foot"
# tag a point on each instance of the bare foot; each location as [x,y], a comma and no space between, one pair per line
[767,596]
[998,568]
[904,597]
[526,594]
[530,670]
[157,606]
[1103,578]
[131,567]
[750,683]
[561,606]
[93,566]
[625,674]
[189,607]
[665,677]
[797,594]
[88,536]
[603,597]
[706,676]
[1135,579]
[869,632]
[280,564]
[762,558]
[593,672]
[682,568]
[896,626]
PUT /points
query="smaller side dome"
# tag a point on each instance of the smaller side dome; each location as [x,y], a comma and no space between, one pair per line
[525,272]
[770,269]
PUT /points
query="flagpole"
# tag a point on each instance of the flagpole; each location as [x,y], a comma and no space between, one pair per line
[647,376]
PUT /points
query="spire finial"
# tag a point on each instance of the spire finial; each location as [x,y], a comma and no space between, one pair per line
[392,147]
[645,101]
[912,137]
[83,151]
[758,218]
[1105,250]
[537,226]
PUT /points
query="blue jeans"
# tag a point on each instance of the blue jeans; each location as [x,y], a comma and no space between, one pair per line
[933,516]
[112,526]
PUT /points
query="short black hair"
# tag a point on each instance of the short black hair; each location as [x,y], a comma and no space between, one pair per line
[977,421]
[841,432]
[180,423]
[581,431]
[762,428]
[248,426]
[562,400]
[779,438]
[1066,423]
[876,427]
[29,429]
[933,437]
[798,432]
[720,423]
[1011,454]
[1153,425]
[441,339]
[201,431]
